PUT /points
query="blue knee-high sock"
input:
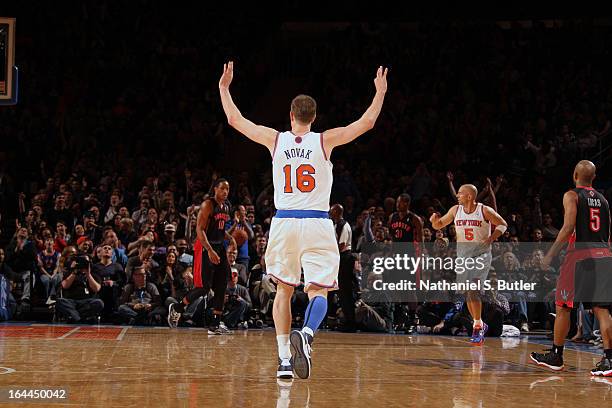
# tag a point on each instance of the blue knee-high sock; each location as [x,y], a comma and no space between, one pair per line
[315,313]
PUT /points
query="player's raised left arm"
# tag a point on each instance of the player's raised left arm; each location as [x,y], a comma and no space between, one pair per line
[342,135]
[257,133]
[494,218]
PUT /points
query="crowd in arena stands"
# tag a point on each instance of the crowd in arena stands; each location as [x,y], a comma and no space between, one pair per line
[113,167]
[126,263]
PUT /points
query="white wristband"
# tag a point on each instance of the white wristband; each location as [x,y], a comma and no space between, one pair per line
[501,229]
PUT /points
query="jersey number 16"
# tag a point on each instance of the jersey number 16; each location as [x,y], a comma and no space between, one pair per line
[304,180]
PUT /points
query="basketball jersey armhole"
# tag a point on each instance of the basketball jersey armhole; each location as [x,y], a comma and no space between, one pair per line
[275,144]
[323,146]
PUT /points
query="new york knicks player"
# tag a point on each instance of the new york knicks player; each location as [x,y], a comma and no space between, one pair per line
[586,226]
[301,233]
[473,222]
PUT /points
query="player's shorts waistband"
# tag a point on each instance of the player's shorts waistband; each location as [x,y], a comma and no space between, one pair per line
[301,214]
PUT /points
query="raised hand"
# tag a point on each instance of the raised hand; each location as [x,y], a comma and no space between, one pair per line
[450,176]
[380,82]
[228,75]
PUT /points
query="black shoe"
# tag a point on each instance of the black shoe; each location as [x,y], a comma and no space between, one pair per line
[285,369]
[219,330]
[603,368]
[300,350]
[550,360]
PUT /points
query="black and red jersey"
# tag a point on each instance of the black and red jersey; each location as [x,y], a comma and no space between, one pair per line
[592,219]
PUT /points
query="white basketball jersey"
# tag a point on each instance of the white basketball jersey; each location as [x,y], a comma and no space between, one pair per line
[472,227]
[301,172]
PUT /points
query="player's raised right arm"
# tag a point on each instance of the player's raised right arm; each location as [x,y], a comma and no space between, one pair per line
[438,222]
[260,134]
[342,135]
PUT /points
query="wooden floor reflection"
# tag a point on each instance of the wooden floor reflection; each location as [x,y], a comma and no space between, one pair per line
[157,367]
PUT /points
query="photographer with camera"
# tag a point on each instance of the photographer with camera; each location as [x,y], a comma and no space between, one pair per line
[80,286]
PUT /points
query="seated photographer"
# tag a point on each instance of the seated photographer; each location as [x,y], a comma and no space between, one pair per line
[237,303]
[80,286]
[140,302]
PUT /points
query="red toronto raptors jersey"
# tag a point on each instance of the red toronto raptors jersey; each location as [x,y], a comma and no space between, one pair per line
[592,220]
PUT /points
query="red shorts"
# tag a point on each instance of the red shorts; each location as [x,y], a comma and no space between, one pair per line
[565,285]
[197,264]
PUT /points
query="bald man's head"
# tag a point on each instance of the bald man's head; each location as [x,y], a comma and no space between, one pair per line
[467,193]
[336,211]
[584,173]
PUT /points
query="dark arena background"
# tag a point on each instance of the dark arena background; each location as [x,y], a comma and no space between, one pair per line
[116,132]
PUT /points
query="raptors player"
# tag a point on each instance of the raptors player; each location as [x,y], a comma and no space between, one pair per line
[473,225]
[586,226]
[301,233]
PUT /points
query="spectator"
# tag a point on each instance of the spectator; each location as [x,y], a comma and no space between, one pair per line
[59,212]
[240,269]
[237,303]
[169,234]
[112,279]
[21,257]
[139,216]
[47,263]
[166,273]
[182,285]
[140,302]
[119,256]
[184,257]
[6,277]
[126,233]
[61,237]
[549,232]
[144,257]
[240,222]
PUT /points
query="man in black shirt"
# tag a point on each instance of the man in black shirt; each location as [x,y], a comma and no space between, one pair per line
[112,277]
[21,257]
[59,212]
[80,286]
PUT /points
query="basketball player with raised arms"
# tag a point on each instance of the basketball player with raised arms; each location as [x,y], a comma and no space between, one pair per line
[301,234]
[473,222]
[586,230]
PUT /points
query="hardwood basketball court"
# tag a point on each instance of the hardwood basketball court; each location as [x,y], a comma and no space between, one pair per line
[109,366]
